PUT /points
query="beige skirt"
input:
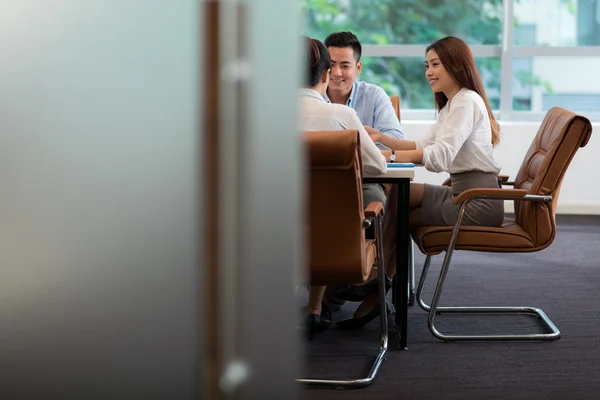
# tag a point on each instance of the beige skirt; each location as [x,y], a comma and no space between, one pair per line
[438,208]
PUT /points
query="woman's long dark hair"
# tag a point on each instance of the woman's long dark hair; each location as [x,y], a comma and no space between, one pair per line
[456,57]
[317,59]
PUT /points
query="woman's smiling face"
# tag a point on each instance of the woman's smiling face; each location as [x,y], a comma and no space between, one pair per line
[439,79]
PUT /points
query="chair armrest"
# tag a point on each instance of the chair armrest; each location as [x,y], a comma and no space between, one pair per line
[374,209]
[503,181]
[490,193]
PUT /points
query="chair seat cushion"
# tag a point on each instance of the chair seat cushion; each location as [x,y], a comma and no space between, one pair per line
[509,238]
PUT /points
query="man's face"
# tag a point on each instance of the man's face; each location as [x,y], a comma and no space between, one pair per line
[344,69]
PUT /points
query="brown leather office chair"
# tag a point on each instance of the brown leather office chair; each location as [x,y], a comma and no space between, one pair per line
[396,104]
[339,253]
[535,195]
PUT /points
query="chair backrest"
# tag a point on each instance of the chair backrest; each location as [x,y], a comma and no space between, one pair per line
[396,104]
[336,235]
[560,135]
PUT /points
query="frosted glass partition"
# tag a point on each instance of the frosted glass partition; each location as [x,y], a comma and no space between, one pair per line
[98,135]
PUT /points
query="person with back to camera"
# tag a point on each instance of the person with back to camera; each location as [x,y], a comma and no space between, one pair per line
[316,115]
[461,142]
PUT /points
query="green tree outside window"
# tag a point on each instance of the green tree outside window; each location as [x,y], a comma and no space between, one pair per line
[412,22]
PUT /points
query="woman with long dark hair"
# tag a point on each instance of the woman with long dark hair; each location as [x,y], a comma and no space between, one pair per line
[461,142]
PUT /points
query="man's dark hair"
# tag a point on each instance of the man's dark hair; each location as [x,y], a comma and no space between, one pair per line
[345,39]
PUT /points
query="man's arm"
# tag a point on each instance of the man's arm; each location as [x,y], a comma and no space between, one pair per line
[390,142]
[373,161]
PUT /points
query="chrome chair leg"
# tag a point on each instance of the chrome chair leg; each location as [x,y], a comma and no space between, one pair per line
[435,309]
[383,326]
[422,283]
[411,276]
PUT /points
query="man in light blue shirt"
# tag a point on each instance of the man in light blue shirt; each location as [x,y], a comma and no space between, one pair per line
[371,103]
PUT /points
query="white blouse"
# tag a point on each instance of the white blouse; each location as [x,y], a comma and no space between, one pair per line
[317,115]
[461,138]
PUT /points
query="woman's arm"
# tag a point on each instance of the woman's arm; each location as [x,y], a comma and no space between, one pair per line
[410,156]
[392,143]
[405,156]
[453,132]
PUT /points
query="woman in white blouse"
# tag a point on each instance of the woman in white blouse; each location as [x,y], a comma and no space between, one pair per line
[460,142]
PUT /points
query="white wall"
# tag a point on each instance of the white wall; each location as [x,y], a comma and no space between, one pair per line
[580,194]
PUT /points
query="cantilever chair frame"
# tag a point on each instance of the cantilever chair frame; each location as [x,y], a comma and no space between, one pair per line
[383,325]
[435,309]
[372,216]
[555,114]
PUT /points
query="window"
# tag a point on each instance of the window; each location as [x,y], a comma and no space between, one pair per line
[405,76]
[588,23]
[548,54]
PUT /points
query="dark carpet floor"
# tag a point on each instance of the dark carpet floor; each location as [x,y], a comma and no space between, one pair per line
[563,280]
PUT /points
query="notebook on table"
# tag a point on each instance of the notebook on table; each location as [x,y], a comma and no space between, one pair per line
[400,165]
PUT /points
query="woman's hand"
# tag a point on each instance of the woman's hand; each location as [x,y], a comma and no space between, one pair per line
[373,133]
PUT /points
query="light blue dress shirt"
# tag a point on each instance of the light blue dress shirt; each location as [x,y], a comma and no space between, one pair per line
[374,109]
